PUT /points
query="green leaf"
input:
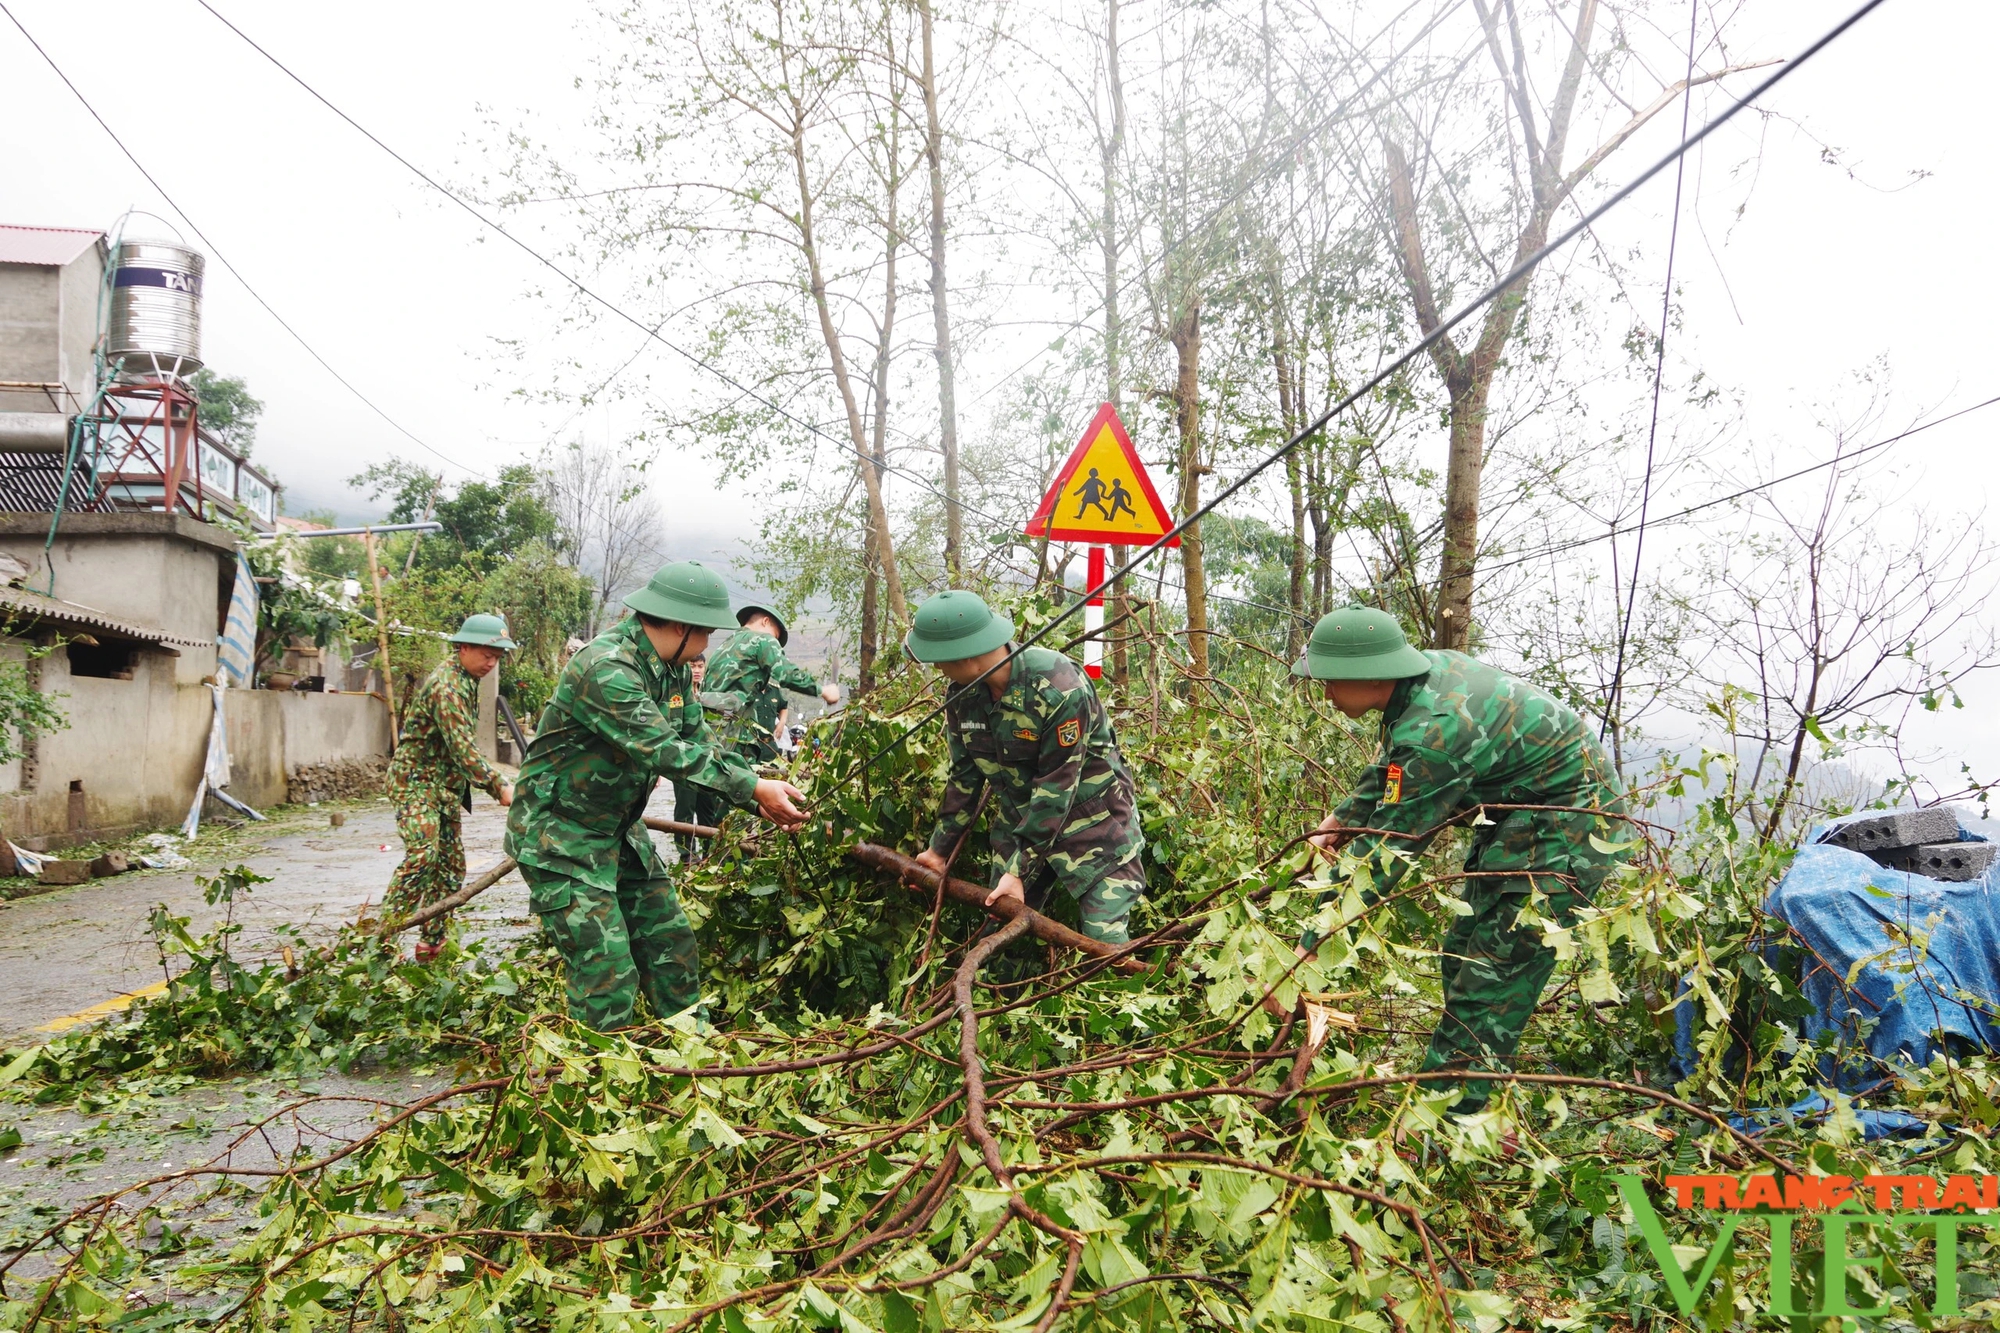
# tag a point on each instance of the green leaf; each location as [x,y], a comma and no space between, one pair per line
[19,1065]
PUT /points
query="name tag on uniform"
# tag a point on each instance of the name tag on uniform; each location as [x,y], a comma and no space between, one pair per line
[1392,785]
[972,726]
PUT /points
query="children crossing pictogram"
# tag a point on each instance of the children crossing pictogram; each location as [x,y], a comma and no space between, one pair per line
[1102,494]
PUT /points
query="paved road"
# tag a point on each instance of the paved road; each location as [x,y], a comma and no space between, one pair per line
[65,951]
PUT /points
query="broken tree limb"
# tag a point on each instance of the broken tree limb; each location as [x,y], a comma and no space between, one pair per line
[473,888]
[675,826]
[912,875]
[488,878]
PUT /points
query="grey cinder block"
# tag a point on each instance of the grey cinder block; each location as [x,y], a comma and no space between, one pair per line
[1943,860]
[1898,828]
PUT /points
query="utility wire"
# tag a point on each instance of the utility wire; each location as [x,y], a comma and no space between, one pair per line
[582,289]
[223,259]
[1612,696]
[1848,457]
[1520,270]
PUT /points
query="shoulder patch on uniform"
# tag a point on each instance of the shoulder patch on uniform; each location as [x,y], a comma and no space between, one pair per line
[1069,732]
[1392,785]
[1026,734]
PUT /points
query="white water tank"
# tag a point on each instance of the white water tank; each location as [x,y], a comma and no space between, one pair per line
[155,311]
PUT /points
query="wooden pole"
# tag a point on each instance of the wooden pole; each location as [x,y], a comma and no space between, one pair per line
[381,636]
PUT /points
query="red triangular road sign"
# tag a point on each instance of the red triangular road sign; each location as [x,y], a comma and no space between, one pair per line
[1102,494]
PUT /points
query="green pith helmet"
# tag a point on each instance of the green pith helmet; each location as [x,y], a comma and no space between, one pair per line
[484,631]
[686,592]
[953,626]
[1359,643]
[743,614]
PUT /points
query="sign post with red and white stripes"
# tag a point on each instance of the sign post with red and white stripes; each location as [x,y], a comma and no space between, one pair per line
[1101,495]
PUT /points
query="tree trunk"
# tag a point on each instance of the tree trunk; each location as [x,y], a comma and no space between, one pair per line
[1186,335]
[1290,416]
[1113,329]
[876,541]
[954,534]
[878,509]
[870,618]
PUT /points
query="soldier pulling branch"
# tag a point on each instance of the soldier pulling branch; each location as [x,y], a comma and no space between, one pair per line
[1458,734]
[1029,725]
[622,717]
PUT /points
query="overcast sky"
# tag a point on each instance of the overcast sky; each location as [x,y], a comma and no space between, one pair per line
[1829,267]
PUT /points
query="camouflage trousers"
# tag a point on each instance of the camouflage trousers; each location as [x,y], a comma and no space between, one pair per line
[1105,906]
[617,942]
[1494,971]
[433,856]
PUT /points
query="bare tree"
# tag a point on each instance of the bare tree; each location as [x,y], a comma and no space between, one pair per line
[1539,182]
[1832,618]
[608,518]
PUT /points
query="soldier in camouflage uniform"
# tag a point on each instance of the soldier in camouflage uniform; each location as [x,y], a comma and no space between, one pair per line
[1457,734]
[437,763]
[743,686]
[749,671]
[622,717]
[1034,732]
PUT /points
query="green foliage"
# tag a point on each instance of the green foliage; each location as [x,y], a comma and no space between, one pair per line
[25,710]
[228,409]
[484,522]
[292,606]
[575,1179]
[545,602]
[353,1003]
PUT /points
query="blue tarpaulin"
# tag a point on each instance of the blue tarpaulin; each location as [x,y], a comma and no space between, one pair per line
[1923,954]
[1894,965]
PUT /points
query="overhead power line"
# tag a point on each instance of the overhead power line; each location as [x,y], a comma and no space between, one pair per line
[223,259]
[1395,365]
[1558,548]
[1659,376]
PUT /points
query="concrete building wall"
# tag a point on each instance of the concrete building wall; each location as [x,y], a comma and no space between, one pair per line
[134,749]
[82,285]
[30,329]
[171,572]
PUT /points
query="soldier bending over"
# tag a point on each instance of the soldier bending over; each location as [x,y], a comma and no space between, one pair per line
[1035,732]
[1456,734]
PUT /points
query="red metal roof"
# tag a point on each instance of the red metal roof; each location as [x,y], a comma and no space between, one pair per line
[48,247]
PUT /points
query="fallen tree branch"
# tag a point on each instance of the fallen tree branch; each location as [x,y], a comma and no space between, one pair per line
[488,878]
[912,875]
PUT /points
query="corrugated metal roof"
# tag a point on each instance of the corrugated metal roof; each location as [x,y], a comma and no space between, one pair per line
[49,247]
[30,483]
[21,601]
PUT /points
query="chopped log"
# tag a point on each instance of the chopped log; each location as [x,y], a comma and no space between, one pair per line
[64,872]
[111,863]
[911,875]
[675,826]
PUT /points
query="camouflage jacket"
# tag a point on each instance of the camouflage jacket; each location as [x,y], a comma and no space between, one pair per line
[438,755]
[751,669]
[1467,734]
[620,720]
[1062,797]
